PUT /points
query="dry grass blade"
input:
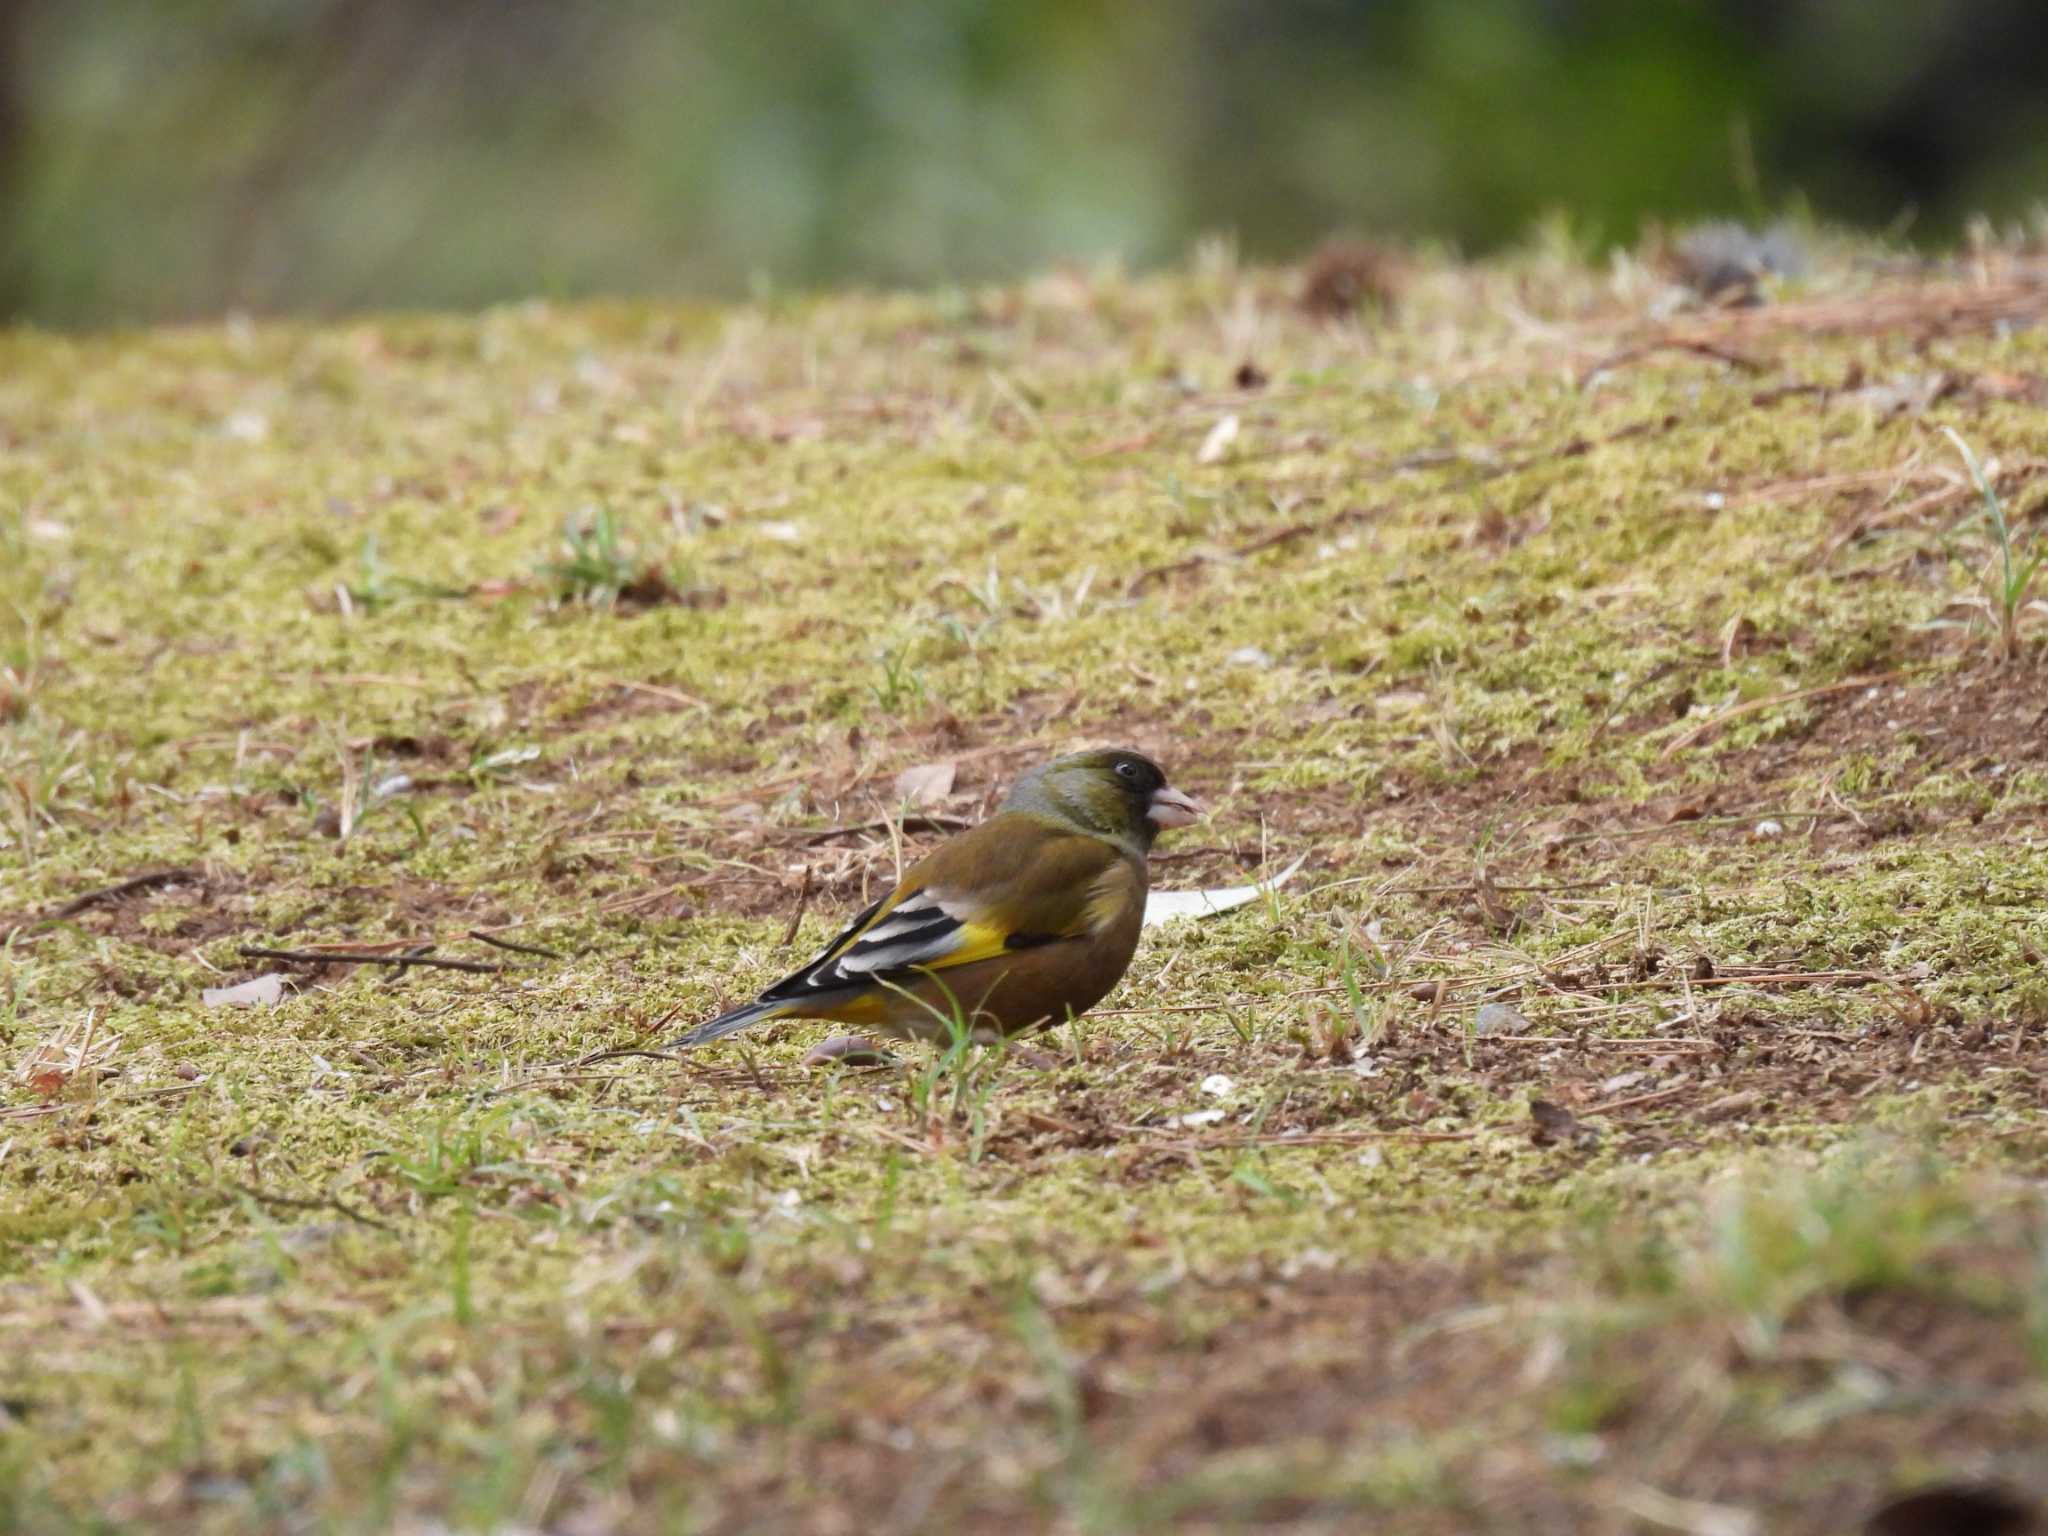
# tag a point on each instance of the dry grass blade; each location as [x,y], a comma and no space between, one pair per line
[1706,728]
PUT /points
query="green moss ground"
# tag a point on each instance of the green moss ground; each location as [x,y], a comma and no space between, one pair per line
[1497,634]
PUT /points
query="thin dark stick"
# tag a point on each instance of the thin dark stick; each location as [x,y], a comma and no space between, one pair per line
[631,1050]
[1467,885]
[1641,1100]
[803,900]
[1741,819]
[1713,723]
[518,949]
[1282,1139]
[658,1027]
[412,952]
[1719,354]
[294,1202]
[345,957]
[1655,674]
[920,823]
[78,904]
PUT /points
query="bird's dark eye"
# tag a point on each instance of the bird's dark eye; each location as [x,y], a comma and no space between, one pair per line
[1128,770]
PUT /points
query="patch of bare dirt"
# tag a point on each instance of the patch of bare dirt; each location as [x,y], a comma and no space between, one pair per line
[206,900]
[1984,715]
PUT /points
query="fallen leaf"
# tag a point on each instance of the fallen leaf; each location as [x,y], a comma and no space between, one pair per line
[925,785]
[1165,906]
[1218,442]
[266,991]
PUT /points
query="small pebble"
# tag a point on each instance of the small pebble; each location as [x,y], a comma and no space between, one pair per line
[847,1051]
[1499,1019]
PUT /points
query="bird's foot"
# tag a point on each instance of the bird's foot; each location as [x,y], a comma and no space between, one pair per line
[848,1051]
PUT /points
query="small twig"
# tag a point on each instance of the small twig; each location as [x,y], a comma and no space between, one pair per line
[484,937]
[1719,354]
[296,1203]
[657,1028]
[1768,979]
[1751,706]
[657,691]
[1655,674]
[39,1111]
[1741,818]
[410,952]
[1228,1139]
[1639,1101]
[348,957]
[921,822]
[1613,1042]
[1816,485]
[630,1050]
[115,892]
[1467,885]
[796,917]
[1488,470]
[641,899]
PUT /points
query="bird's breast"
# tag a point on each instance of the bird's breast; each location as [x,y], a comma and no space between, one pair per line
[1116,899]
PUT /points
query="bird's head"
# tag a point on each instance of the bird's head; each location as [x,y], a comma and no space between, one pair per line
[1112,793]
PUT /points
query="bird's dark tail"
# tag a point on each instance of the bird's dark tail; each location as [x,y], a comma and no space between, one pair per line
[726,1024]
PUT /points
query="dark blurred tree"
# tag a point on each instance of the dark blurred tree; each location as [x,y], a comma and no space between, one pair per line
[14,288]
[167,157]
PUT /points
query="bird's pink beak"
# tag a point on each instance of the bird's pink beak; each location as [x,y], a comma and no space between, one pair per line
[1170,808]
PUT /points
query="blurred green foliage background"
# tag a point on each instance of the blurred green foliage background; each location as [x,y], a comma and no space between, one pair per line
[178,157]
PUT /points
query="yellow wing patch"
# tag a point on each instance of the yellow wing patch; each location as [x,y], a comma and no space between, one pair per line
[971,942]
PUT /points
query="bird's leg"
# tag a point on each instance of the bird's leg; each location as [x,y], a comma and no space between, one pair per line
[848,1051]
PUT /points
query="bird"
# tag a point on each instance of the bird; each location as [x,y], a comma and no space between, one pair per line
[1023,922]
